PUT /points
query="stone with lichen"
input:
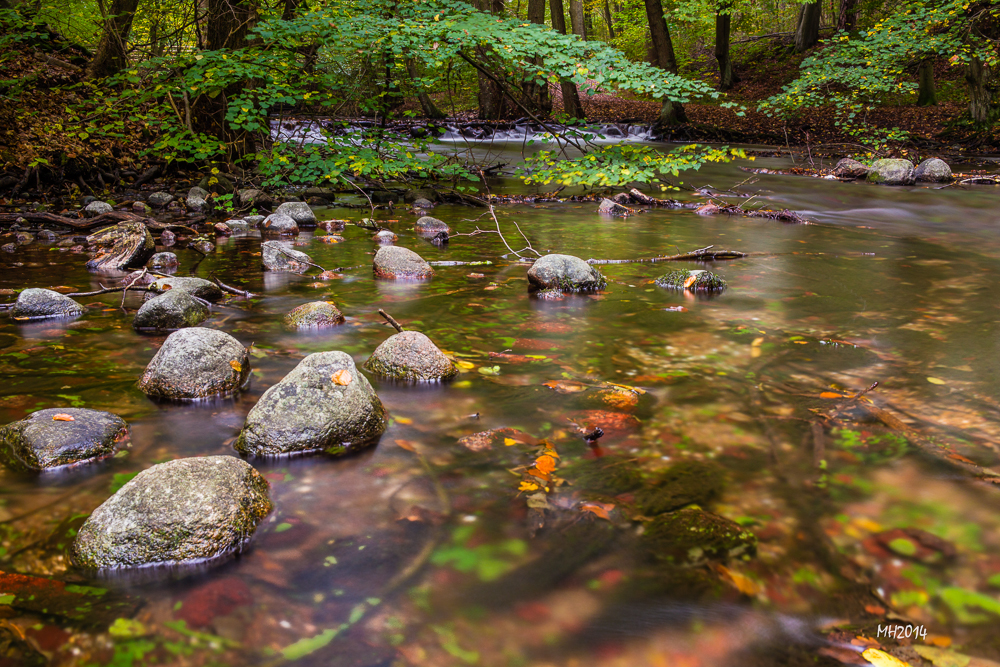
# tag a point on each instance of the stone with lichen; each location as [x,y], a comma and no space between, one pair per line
[410,355]
[696,280]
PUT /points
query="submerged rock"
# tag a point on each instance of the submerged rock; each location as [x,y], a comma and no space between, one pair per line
[696,280]
[163,260]
[196,363]
[279,224]
[891,172]
[174,309]
[410,355]
[422,204]
[850,168]
[299,212]
[47,439]
[96,208]
[199,287]
[684,483]
[126,245]
[36,303]
[394,262]
[429,225]
[692,536]
[566,273]
[933,170]
[315,315]
[385,237]
[332,225]
[418,196]
[276,257]
[181,511]
[324,403]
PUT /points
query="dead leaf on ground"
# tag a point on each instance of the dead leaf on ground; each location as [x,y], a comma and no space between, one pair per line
[741,582]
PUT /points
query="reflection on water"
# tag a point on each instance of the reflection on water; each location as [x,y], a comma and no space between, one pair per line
[427,550]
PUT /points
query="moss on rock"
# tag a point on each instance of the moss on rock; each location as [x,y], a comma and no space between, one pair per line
[696,280]
[410,355]
[685,483]
[691,536]
[315,315]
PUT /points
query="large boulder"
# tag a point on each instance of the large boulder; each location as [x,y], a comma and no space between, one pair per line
[275,256]
[279,224]
[565,272]
[324,403]
[933,170]
[891,172]
[410,355]
[126,245]
[96,208]
[850,168]
[397,263]
[182,511]
[429,225]
[695,280]
[36,303]
[174,309]
[299,212]
[315,315]
[196,363]
[320,192]
[199,287]
[59,437]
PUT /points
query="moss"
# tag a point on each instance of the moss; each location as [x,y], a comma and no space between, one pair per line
[686,483]
[609,475]
[691,536]
[702,280]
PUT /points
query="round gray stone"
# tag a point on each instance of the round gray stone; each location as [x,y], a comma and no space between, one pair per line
[394,262]
[565,272]
[196,203]
[174,309]
[279,224]
[238,226]
[850,168]
[254,220]
[163,260]
[315,315]
[891,172]
[96,208]
[182,511]
[198,192]
[39,442]
[196,363]
[276,256]
[311,409]
[933,170]
[299,212]
[159,199]
[410,355]
[199,287]
[429,225]
[385,236]
[36,303]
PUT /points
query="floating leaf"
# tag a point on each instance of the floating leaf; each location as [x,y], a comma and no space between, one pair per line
[565,386]
[236,366]
[403,420]
[528,486]
[598,509]
[831,394]
[545,464]
[465,365]
[508,442]
[882,659]
[342,378]
[936,380]
[407,445]
[62,417]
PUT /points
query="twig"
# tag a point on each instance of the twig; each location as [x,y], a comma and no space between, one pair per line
[702,254]
[130,284]
[109,290]
[288,254]
[232,290]
[370,203]
[390,320]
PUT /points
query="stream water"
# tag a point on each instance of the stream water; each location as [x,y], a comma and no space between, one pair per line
[422,551]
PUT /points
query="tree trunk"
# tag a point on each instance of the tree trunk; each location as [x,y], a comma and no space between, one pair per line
[807,32]
[576,18]
[538,94]
[426,103]
[651,57]
[570,95]
[609,21]
[228,23]
[493,104]
[926,95]
[982,92]
[109,58]
[848,15]
[672,113]
[723,27]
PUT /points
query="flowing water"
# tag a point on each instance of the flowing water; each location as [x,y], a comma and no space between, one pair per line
[423,551]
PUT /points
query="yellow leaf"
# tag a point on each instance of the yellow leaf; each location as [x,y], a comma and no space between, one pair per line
[403,420]
[467,365]
[407,445]
[882,659]
[757,341]
[509,441]
[62,417]
[236,366]
[528,486]
[936,381]
[743,583]
[343,378]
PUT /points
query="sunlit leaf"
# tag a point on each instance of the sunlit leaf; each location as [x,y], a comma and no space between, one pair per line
[62,417]
[883,659]
[237,366]
[342,377]
[936,380]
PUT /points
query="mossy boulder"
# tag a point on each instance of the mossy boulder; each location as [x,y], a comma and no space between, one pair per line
[891,172]
[410,355]
[695,280]
[566,273]
[174,309]
[429,225]
[48,439]
[396,263]
[324,403]
[609,475]
[315,315]
[182,511]
[277,256]
[199,287]
[684,483]
[933,170]
[692,536]
[196,363]
[36,303]
[217,184]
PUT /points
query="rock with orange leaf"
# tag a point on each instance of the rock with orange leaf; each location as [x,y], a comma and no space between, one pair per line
[697,280]
[60,437]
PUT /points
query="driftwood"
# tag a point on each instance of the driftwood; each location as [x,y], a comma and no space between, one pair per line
[51,218]
[232,290]
[125,245]
[642,198]
[705,254]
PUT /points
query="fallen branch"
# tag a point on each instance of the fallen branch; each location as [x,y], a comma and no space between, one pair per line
[109,290]
[297,259]
[390,320]
[232,290]
[702,254]
[111,218]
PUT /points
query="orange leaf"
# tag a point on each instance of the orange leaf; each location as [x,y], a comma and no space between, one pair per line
[343,378]
[62,417]
[539,474]
[565,386]
[743,583]
[690,281]
[236,366]
[545,464]
[407,445]
[596,508]
[831,394]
